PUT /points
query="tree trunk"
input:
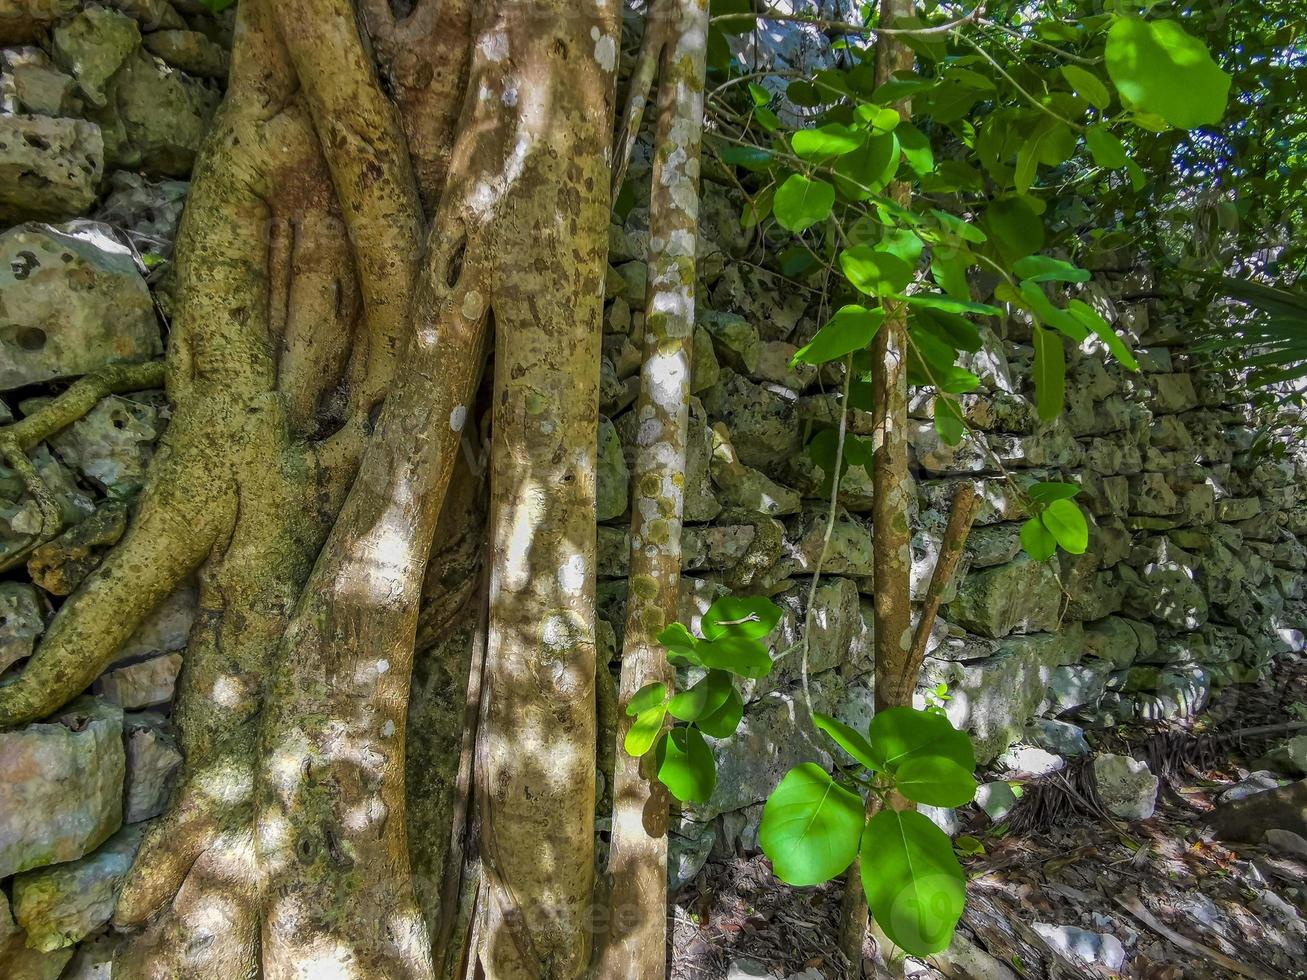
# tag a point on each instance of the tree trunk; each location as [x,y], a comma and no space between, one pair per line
[636,941]
[553,61]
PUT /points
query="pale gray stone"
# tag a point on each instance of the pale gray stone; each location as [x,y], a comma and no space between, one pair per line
[1060,737]
[165,629]
[1126,786]
[1092,948]
[62,795]
[153,762]
[1020,597]
[71,301]
[21,622]
[49,169]
[996,799]
[613,477]
[112,445]
[141,685]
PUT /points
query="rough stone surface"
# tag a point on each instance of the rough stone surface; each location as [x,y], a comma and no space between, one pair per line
[63,791]
[1126,786]
[141,685]
[59,905]
[21,622]
[1094,949]
[153,762]
[112,445]
[1019,597]
[71,301]
[1248,819]
[49,168]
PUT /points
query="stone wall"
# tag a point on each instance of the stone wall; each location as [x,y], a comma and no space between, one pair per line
[1192,580]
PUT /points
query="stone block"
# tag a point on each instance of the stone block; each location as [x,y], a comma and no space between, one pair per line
[153,761]
[1126,786]
[146,684]
[1020,597]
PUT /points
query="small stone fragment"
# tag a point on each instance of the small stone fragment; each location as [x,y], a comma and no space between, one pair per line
[49,169]
[1126,786]
[153,760]
[142,685]
[21,622]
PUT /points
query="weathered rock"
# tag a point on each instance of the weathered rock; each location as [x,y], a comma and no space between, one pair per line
[1030,760]
[1178,693]
[613,479]
[60,905]
[1254,782]
[1166,593]
[996,799]
[1020,597]
[743,486]
[93,46]
[153,760]
[71,301]
[688,847]
[1113,640]
[1060,737]
[29,20]
[1126,786]
[1076,685]
[847,553]
[40,88]
[735,340]
[166,629]
[20,515]
[1094,949]
[146,211]
[49,169]
[141,685]
[762,420]
[1290,756]
[1248,819]
[92,959]
[62,795]
[1288,843]
[113,443]
[190,51]
[21,622]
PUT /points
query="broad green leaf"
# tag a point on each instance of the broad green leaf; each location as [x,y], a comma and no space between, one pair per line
[647,697]
[956,331]
[1036,541]
[1159,68]
[749,157]
[935,781]
[760,95]
[811,826]
[900,88]
[1048,491]
[880,119]
[902,242]
[1105,148]
[801,202]
[723,722]
[703,698]
[803,94]
[739,655]
[963,229]
[825,142]
[1015,227]
[849,739]
[850,329]
[899,734]
[1048,314]
[950,304]
[916,148]
[680,644]
[642,734]
[749,617]
[1088,316]
[1087,85]
[948,419]
[686,765]
[860,174]
[1045,268]
[915,887]
[757,208]
[1050,373]
[736,25]
[767,119]
[1066,522]
[875,272]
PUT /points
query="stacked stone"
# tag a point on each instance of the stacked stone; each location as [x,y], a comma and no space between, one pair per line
[1193,576]
[102,110]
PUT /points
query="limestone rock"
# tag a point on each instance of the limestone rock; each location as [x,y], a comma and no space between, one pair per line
[688,847]
[1020,597]
[60,905]
[146,211]
[166,629]
[59,566]
[1060,737]
[1248,819]
[1030,760]
[762,419]
[49,169]
[27,21]
[996,799]
[1290,756]
[153,761]
[613,478]
[21,622]
[1095,949]
[190,51]
[1166,593]
[39,87]
[63,792]
[743,486]
[20,516]
[1126,786]
[1112,639]
[849,549]
[93,46]
[92,959]
[141,685]
[71,301]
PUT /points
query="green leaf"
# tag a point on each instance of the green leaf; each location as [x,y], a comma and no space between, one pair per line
[915,887]
[739,655]
[1159,68]
[1087,85]
[949,304]
[831,140]
[1048,314]
[703,698]
[680,644]
[1050,373]
[1036,541]
[902,242]
[803,94]
[1047,492]
[859,174]
[1045,268]
[849,739]
[750,617]
[963,229]
[643,732]
[723,722]
[1105,148]
[1066,522]
[811,826]
[875,272]
[647,697]
[1088,316]
[916,148]
[760,95]
[749,157]
[935,781]
[850,329]
[801,202]
[899,734]
[1015,226]
[948,419]
[736,25]
[686,765]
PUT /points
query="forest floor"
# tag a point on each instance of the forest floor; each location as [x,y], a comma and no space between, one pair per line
[1182,904]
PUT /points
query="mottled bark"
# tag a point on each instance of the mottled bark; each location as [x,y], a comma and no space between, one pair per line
[636,940]
[892,487]
[555,62]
